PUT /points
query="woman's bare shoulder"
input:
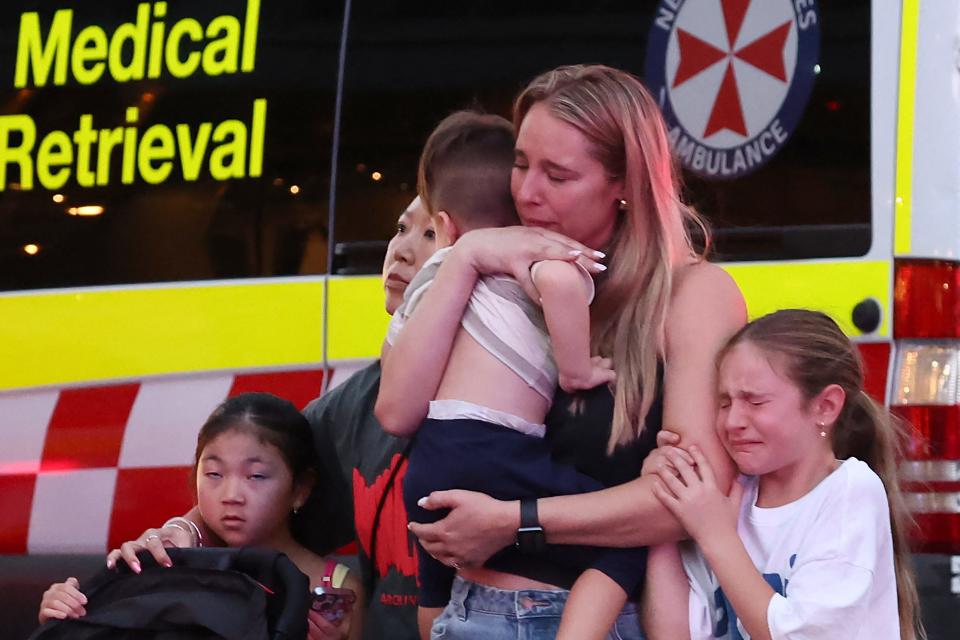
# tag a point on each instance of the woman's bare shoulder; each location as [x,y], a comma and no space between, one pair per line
[702,274]
[704,283]
[704,294]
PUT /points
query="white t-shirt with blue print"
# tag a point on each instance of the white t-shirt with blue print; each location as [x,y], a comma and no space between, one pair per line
[828,557]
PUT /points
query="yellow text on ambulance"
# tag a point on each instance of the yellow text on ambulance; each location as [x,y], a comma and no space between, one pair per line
[236,152]
[220,48]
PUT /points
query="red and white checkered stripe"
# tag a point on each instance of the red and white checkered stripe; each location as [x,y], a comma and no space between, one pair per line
[83,469]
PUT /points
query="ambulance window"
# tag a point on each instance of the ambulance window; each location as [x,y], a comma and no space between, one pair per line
[411,63]
[811,199]
[205,158]
[807,190]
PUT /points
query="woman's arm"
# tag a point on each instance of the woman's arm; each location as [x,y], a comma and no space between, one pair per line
[411,375]
[707,308]
[172,533]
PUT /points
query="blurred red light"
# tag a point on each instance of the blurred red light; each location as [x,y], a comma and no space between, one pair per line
[936,533]
[925,301]
[935,431]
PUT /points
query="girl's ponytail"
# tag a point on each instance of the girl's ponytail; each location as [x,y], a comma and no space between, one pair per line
[870,433]
[819,354]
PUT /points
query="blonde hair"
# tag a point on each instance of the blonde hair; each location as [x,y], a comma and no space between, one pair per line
[628,136]
[818,354]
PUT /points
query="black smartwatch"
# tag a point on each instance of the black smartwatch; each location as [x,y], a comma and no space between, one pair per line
[530,536]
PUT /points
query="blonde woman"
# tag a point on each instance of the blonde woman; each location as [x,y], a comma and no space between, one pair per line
[593,175]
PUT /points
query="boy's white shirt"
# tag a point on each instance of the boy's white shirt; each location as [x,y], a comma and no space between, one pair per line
[828,556]
[413,294]
[501,318]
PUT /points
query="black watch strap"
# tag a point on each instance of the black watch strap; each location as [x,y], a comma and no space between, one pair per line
[528,513]
[530,536]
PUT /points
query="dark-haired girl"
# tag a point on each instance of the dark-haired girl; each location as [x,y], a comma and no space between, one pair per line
[254,467]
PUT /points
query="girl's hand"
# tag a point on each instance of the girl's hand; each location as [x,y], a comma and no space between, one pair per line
[513,250]
[694,498]
[156,541]
[319,628]
[666,441]
[476,527]
[63,600]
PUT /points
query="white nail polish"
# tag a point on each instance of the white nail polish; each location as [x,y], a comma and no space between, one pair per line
[600,254]
[422,502]
[600,267]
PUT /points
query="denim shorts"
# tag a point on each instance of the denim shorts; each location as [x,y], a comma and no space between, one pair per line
[478,612]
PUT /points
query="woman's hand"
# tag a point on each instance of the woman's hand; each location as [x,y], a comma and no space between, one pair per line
[63,600]
[513,250]
[694,497]
[319,628]
[656,459]
[476,527]
[154,540]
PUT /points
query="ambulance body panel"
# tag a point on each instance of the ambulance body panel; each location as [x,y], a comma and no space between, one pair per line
[935,188]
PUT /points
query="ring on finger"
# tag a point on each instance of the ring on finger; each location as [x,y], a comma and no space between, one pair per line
[456,565]
[150,537]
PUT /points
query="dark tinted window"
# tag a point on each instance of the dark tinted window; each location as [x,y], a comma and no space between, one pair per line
[222,222]
[408,64]
[411,63]
[813,198]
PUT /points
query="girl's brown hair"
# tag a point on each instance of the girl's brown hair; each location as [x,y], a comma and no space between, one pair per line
[816,354]
[465,170]
[628,136]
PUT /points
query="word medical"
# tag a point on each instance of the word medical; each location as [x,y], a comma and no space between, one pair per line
[225,47]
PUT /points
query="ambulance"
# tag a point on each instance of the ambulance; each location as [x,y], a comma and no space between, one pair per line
[195,199]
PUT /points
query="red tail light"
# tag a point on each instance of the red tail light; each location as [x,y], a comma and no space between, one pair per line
[925,391]
[936,432]
[931,476]
[926,299]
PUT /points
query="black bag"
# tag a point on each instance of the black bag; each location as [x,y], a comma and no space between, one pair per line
[233,594]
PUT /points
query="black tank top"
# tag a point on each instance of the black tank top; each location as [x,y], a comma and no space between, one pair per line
[578,428]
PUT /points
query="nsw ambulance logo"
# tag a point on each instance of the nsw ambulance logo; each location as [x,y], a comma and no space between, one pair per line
[733,78]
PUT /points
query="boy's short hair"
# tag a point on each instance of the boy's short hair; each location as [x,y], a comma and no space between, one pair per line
[465,170]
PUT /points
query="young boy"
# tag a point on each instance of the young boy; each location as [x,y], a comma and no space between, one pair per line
[484,430]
